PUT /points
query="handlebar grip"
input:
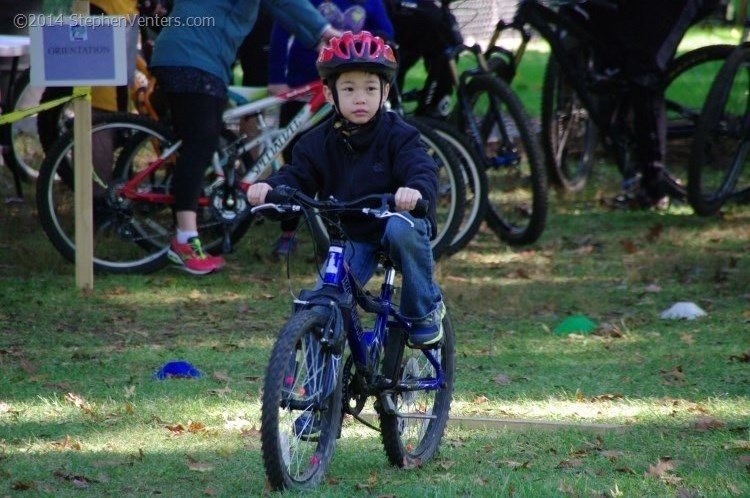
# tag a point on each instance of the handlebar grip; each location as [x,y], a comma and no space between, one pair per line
[280,194]
[421,210]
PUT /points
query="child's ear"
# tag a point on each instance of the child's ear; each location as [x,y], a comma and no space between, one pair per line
[329,94]
[386,89]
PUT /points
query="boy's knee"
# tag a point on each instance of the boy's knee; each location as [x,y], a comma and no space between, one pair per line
[400,231]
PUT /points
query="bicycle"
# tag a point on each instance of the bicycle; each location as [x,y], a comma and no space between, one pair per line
[308,386]
[718,169]
[580,103]
[489,117]
[133,157]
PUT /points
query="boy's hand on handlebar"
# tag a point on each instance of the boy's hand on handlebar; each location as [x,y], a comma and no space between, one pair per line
[256,194]
[406,198]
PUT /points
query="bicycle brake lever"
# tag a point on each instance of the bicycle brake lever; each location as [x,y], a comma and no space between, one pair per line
[276,207]
[387,214]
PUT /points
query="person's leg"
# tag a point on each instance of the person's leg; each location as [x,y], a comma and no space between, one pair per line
[409,249]
[654,30]
[421,300]
[286,243]
[197,122]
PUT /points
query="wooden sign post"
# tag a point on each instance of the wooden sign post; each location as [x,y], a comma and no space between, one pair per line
[81,51]
[83,182]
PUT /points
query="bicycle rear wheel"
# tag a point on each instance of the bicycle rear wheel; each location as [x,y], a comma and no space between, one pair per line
[569,135]
[689,78]
[475,179]
[129,237]
[412,435]
[301,413]
[517,194]
[720,157]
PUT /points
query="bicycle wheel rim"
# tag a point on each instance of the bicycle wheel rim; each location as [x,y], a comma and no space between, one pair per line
[689,78]
[516,180]
[412,436]
[128,236]
[721,153]
[299,372]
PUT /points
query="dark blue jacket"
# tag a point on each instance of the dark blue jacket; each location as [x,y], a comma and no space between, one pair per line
[322,164]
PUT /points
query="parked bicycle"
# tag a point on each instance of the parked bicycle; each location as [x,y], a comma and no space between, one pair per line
[489,117]
[581,104]
[311,382]
[133,158]
[719,169]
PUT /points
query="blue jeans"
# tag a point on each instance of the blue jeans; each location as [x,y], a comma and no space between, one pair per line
[409,249]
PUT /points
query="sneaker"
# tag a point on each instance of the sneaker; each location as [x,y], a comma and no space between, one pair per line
[284,246]
[429,331]
[191,258]
[307,425]
[639,200]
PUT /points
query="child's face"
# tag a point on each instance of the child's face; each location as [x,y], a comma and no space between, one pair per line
[359,95]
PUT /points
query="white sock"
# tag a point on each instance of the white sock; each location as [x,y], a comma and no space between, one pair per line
[183,237]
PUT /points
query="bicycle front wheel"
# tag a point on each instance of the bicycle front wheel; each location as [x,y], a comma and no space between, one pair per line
[412,434]
[517,195]
[719,166]
[129,236]
[689,78]
[301,413]
[569,135]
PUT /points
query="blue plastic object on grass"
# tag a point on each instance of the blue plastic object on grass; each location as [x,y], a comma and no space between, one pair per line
[179,369]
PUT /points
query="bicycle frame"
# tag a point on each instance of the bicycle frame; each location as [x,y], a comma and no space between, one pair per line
[278,140]
[549,24]
[366,346]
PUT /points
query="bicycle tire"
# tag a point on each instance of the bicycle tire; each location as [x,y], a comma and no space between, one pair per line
[410,442]
[132,238]
[569,135]
[475,179]
[689,78]
[293,459]
[721,147]
[451,187]
[25,151]
[517,193]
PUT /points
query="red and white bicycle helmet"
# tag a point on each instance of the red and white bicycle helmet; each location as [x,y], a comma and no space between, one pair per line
[363,52]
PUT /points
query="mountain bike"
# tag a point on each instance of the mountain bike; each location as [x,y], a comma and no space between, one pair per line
[719,169]
[326,364]
[491,118]
[582,103]
[133,158]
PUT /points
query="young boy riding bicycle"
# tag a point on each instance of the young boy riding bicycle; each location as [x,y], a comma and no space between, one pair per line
[361,150]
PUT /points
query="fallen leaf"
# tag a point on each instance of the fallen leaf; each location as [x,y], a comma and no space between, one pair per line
[743,358]
[570,464]
[673,377]
[707,424]
[611,454]
[687,338]
[221,376]
[220,392]
[197,466]
[660,469]
[480,481]
[129,391]
[654,232]
[515,465]
[629,246]
[502,379]
[480,399]
[606,397]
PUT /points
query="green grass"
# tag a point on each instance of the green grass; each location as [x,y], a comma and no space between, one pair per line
[79,410]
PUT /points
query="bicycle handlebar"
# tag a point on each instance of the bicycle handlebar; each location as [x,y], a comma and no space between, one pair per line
[284,194]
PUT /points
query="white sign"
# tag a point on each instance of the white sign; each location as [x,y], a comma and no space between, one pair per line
[79,51]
